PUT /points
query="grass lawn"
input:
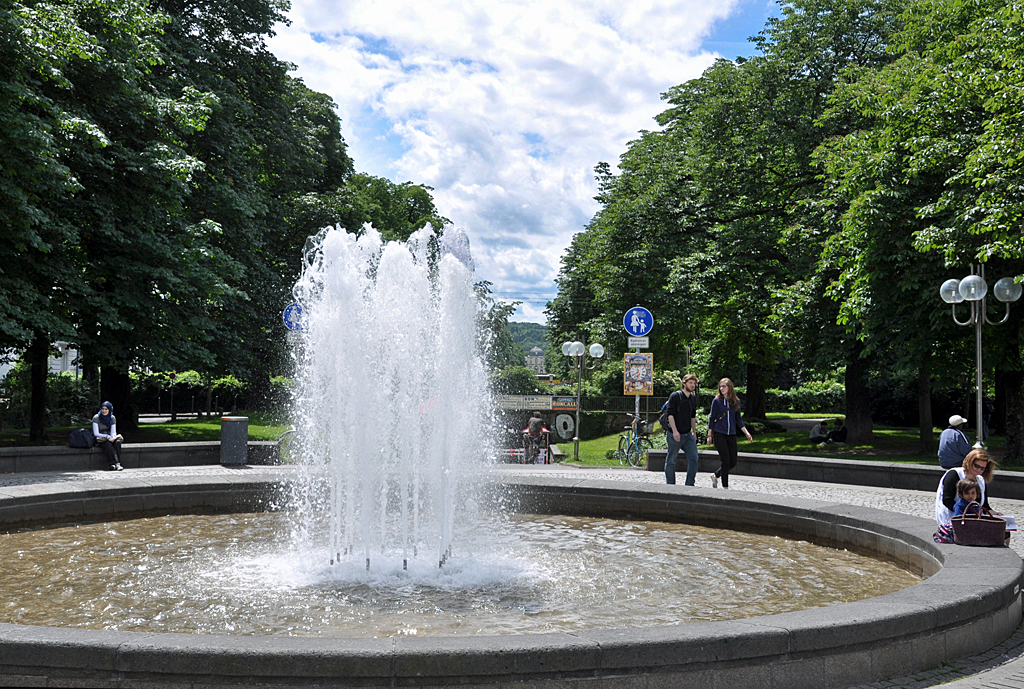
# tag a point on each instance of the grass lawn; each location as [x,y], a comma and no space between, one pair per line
[262,426]
[888,445]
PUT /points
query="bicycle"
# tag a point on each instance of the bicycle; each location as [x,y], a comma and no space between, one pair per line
[634,444]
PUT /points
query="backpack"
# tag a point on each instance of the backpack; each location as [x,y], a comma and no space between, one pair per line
[81,437]
[663,417]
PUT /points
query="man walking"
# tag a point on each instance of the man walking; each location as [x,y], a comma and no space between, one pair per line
[682,414]
[953,444]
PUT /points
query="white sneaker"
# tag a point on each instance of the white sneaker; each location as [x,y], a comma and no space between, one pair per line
[714,481]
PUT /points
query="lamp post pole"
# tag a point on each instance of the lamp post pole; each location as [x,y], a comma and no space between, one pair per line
[974,289]
[578,350]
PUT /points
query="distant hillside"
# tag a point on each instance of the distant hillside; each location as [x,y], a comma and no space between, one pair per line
[529,335]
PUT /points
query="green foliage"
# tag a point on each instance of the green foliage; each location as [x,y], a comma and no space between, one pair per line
[515,380]
[499,351]
[394,210]
[70,400]
[159,176]
[825,397]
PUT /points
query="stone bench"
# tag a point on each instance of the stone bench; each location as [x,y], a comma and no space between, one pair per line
[16,460]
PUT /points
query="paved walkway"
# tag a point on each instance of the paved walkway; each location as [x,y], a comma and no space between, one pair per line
[999,668]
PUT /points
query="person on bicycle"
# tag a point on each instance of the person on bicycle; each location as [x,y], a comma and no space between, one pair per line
[535,428]
[682,420]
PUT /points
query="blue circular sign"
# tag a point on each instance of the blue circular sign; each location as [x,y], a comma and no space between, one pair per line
[638,321]
[293,317]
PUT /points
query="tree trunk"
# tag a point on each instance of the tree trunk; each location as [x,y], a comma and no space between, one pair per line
[1013,453]
[259,390]
[116,388]
[755,407]
[209,396]
[858,404]
[92,377]
[39,363]
[926,436]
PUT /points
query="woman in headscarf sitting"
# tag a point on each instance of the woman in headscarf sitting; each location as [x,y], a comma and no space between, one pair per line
[104,429]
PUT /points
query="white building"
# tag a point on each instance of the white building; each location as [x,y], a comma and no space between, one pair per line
[62,363]
[535,360]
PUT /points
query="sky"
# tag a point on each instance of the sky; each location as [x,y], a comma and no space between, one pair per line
[505,108]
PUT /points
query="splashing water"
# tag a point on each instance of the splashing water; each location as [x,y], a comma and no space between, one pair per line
[390,388]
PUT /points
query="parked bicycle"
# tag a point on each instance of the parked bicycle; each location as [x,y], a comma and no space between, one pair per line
[634,443]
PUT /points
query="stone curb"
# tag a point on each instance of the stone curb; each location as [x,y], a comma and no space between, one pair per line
[936,621]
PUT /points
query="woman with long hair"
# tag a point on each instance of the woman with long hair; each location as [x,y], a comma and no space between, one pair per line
[724,423]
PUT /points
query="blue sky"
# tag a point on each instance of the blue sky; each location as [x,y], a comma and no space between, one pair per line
[505,108]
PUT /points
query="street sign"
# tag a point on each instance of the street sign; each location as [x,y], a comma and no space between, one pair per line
[293,317]
[638,374]
[638,321]
[639,342]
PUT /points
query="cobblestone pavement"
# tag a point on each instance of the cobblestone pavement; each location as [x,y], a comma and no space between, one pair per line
[1001,667]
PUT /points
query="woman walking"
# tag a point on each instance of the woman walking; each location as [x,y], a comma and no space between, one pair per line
[724,423]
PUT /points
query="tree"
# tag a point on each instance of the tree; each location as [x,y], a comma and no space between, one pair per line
[699,221]
[108,146]
[925,182]
[496,344]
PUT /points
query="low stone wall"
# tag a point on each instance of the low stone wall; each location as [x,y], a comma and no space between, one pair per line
[970,602]
[17,460]
[855,472]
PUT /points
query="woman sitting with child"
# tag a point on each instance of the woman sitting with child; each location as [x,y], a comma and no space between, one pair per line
[977,466]
[962,486]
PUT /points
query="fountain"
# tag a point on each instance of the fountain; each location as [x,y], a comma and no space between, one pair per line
[389,386]
[390,389]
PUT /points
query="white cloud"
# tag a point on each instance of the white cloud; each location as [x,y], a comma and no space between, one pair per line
[504,108]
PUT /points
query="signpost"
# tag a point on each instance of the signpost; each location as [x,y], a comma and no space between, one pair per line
[171,376]
[638,323]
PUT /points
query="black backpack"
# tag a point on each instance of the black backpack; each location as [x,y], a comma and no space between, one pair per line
[81,437]
[663,417]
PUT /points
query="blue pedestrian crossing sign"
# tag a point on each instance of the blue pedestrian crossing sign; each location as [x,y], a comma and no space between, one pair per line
[293,317]
[638,321]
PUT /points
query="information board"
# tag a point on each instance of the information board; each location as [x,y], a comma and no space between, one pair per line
[638,374]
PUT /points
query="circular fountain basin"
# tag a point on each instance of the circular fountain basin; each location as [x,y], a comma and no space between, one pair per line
[968,602]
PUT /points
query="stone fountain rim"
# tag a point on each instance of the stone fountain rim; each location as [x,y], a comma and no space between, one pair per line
[934,621]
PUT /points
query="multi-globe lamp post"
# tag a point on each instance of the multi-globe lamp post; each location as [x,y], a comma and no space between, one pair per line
[577,350]
[974,289]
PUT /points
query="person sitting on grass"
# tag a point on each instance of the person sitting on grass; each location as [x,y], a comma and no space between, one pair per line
[839,434]
[819,434]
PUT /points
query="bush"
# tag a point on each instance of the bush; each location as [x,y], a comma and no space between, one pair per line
[812,397]
[69,400]
[515,380]
[280,392]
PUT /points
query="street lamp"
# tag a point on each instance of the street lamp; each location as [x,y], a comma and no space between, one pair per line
[576,351]
[974,289]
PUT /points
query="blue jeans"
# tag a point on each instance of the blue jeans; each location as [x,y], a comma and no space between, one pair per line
[689,446]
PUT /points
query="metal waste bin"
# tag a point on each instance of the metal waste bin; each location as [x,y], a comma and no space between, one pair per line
[234,439]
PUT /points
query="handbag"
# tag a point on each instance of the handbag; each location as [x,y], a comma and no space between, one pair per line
[711,424]
[978,529]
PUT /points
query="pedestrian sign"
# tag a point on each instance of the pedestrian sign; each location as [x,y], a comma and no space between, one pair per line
[293,317]
[638,321]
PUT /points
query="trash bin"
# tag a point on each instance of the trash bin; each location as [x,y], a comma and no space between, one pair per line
[234,439]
